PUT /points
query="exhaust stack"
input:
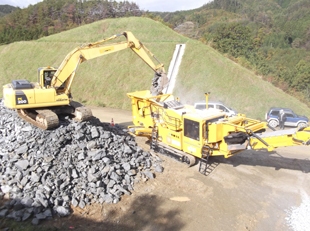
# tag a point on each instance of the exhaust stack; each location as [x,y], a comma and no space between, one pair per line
[207,96]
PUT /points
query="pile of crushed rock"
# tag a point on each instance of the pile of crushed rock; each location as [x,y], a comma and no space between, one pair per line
[43,173]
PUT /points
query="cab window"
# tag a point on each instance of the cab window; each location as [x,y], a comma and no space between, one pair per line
[221,107]
[275,113]
[47,77]
[200,106]
[289,115]
[191,129]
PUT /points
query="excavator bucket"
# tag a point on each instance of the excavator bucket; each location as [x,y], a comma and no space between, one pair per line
[159,82]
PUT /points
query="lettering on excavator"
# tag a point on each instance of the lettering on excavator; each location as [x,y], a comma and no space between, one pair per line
[106,50]
[21,99]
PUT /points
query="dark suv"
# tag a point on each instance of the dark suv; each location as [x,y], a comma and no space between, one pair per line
[292,119]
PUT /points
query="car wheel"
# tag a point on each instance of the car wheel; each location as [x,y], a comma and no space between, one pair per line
[273,123]
[301,125]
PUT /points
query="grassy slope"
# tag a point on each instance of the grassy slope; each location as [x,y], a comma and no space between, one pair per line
[102,81]
[106,80]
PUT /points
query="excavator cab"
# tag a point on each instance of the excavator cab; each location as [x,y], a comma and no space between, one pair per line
[45,75]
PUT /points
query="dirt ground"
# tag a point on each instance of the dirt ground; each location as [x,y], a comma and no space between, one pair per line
[254,190]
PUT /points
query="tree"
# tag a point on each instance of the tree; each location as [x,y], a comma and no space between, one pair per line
[52,16]
[233,38]
[302,78]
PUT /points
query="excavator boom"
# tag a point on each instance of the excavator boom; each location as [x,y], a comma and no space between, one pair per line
[67,69]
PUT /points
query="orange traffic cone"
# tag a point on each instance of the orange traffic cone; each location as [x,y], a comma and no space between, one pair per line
[112,122]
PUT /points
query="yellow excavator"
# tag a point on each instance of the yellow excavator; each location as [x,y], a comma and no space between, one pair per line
[39,103]
[181,132]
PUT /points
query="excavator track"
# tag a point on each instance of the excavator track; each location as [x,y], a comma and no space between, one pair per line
[81,113]
[41,118]
[47,118]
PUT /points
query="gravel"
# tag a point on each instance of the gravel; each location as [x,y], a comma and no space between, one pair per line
[78,163]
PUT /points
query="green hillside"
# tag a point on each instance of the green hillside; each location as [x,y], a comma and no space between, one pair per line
[53,16]
[6,9]
[270,37]
[106,80]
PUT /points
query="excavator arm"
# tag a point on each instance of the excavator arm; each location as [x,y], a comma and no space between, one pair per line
[63,78]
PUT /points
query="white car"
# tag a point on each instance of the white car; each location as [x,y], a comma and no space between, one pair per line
[201,105]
